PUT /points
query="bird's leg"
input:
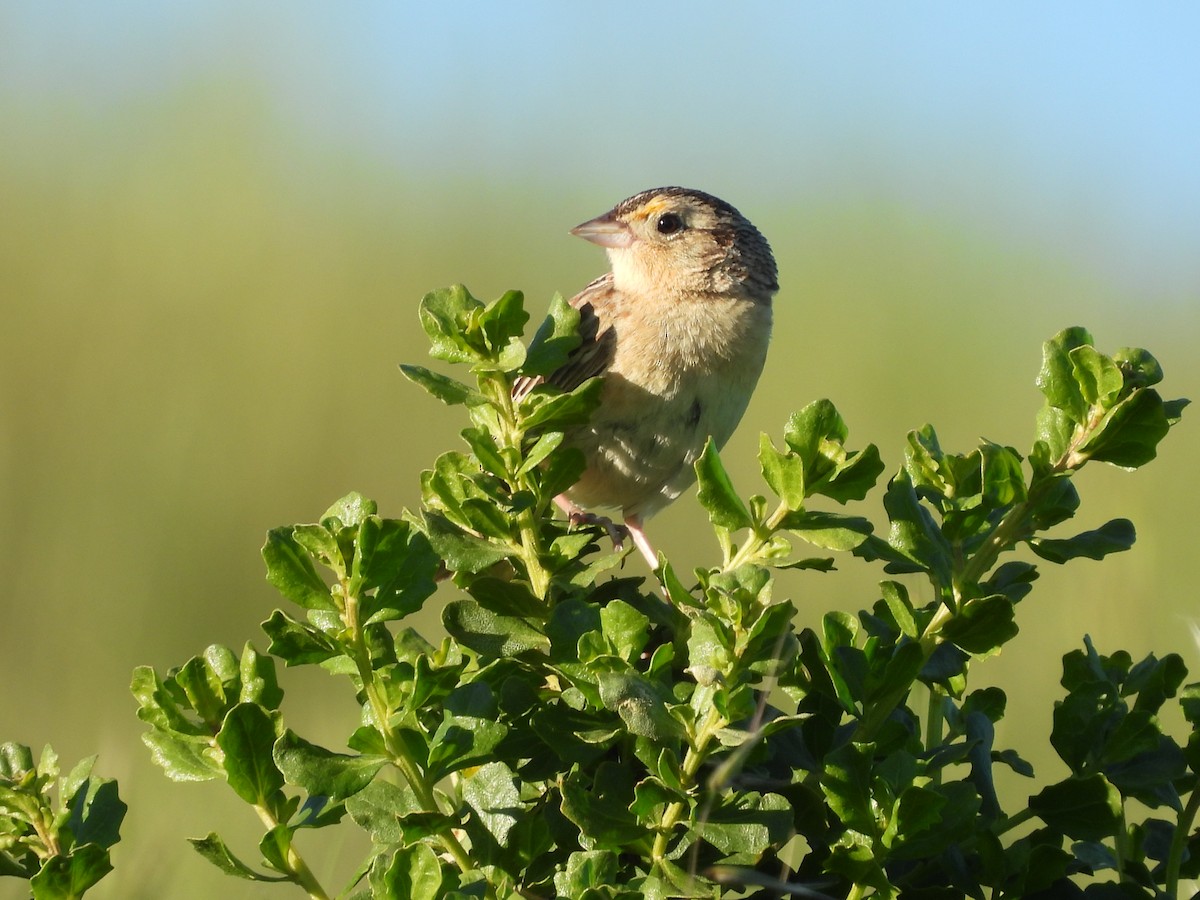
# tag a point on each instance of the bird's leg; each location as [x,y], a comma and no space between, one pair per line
[633,524]
[576,515]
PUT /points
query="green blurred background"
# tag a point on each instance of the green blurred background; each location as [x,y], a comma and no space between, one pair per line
[217,219]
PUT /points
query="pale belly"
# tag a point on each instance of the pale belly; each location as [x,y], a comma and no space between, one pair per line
[665,395]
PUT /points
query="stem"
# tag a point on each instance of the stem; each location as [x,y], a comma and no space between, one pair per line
[1179,839]
[756,540]
[1121,839]
[713,722]
[296,866]
[396,750]
[531,538]
[934,721]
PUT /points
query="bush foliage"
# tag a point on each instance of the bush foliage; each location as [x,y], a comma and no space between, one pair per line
[585,734]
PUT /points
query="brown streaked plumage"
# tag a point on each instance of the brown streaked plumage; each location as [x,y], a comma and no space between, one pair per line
[679,328]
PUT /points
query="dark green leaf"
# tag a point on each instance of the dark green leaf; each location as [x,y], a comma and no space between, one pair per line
[1086,809]
[462,741]
[297,643]
[491,635]
[96,812]
[414,874]
[636,700]
[600,808]
[291,571]
[246,738]
[491,792]
[983,625]
[379,809]
[66,877]
[446,389]
[745,827]
[320,771]
[556,337]
[1111,537]
[214,850]
[846,783]
[829,531]
[462,551]
[1129,435]
[551,409]
[853,478]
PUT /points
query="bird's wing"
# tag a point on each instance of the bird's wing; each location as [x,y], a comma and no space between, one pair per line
[595,351]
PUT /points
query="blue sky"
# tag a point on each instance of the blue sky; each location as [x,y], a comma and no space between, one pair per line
[1077,123]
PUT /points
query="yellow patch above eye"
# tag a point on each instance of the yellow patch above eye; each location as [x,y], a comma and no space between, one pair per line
[653,207]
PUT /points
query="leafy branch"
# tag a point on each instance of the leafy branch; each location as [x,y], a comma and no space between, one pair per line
[585,734]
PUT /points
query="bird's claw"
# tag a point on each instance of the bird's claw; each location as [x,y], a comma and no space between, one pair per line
[617,533]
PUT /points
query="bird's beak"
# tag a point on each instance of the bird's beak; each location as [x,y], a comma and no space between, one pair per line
[606,231]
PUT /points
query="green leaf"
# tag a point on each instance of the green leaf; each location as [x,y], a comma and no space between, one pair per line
[543,447]
[298,643]
[1129,435]
[66,877]
[492,636]
[507,598]
[636,700]
[600,806]
[846,784]
[783,473]
[745,827]
[214,850]
[462,741]
[917,810]
[717,495]
[182,757]
[448,390]
[349,511]
[585,871]
[854,478]
[323,772]
[1098,377]
[247,738]
[1057,379]
[816,433]
[444,314]
[414,874]
[96,813]
[556,337]
[1086,809]
[914,535]
[548,408]
[829,531]
[291,571]
[1111,537]
[983,625]
[397,563]
[502,322]
[626,629]
[379,809]
[491,792]
[895,595]
[462,551]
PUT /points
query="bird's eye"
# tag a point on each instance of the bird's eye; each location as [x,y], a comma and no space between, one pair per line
[669,223]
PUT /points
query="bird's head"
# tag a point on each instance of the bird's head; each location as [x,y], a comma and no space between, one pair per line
[677,240]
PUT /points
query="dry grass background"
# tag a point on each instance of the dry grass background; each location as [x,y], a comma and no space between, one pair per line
[202,326]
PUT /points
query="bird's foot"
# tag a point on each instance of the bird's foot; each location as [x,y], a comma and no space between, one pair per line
[579,516]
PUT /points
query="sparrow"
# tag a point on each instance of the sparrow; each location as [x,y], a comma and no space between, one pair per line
[679,330]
